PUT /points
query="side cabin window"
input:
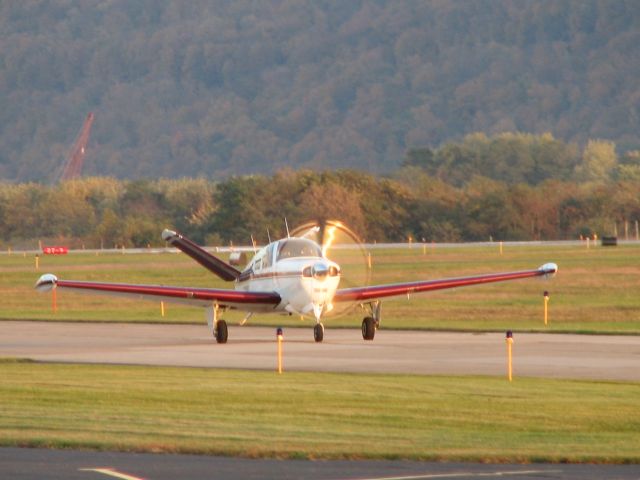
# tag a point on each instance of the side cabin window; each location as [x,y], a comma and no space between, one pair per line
[267,260]
[258,261]
[298,247]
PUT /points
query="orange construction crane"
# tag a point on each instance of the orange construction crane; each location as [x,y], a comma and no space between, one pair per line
[73,167]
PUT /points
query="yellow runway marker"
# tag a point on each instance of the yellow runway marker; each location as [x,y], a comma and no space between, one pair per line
[111,473]
[280,339]
[509,355]
[546,307]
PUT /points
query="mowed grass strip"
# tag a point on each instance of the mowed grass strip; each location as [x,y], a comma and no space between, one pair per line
[318,415]
[595,290]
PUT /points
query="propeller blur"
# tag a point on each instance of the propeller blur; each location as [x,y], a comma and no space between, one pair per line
[292,275]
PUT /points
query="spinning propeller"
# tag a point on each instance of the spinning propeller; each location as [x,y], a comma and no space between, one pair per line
[341,245]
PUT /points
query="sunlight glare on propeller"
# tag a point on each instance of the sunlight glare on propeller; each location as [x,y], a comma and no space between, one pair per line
[343,246]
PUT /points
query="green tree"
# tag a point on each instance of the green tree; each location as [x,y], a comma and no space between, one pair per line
[238,213]
[599,161]
[110,231]
[490,212]
[420,157]
[629,166]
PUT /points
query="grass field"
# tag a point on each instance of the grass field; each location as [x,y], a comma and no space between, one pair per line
[596,290]
[318,415]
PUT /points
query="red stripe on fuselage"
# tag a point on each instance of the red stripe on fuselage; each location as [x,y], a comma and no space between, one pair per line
[260,276]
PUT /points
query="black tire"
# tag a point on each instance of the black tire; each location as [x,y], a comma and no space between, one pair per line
[368,328]
[222,333]
[318,332]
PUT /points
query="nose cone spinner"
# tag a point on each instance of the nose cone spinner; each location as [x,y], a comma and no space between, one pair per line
[320,271]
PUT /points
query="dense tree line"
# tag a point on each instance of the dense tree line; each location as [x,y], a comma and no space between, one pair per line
[525,158]
[221,88]
[108,212]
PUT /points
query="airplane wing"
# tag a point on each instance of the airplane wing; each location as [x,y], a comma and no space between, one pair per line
[366,294]
[191,296]
[200,255]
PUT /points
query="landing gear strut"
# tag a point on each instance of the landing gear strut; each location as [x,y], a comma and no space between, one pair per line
[318,332]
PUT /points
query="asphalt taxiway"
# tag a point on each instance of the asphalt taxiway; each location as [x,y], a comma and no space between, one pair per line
[39,464]
[540,355]
[343,350]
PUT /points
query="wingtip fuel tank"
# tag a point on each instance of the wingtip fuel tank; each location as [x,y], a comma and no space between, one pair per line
[46,282]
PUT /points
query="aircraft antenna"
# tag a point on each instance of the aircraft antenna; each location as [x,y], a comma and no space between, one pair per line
[287,227]
[253,242]
[268,235]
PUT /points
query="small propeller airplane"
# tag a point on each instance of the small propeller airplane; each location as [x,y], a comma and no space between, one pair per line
[292,275]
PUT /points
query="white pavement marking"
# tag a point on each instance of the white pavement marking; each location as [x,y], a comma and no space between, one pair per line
[465,475]
[111,473]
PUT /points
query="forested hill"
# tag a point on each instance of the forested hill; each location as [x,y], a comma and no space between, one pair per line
[216,88]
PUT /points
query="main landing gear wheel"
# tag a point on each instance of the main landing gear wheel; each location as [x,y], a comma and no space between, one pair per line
[221,332]
[368,328]
[318,332]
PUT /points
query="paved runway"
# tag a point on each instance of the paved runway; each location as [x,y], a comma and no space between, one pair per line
[36,464]
[540,355]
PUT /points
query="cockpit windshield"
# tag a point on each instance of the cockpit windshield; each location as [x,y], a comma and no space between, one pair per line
[298,247]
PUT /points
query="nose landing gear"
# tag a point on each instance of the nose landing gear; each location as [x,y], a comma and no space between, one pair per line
[318,332]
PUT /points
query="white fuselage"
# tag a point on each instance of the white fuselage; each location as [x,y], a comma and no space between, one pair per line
[296,269]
